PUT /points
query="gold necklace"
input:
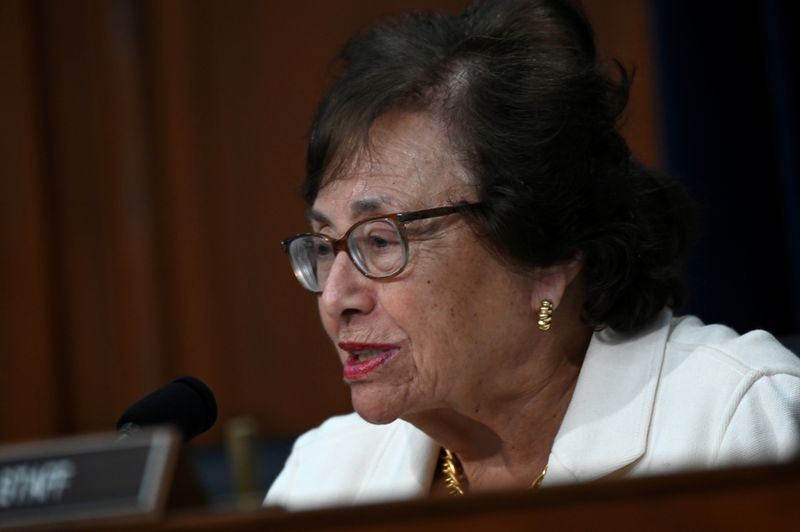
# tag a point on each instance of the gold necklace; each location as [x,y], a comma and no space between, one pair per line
[450,472]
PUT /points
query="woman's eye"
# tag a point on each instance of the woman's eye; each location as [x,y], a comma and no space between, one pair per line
[381,241]
[378,242]
[323,248]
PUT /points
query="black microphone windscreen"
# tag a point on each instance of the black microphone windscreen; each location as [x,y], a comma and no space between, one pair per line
[185,402]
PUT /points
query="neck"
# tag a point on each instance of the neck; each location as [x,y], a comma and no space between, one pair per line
[503,440]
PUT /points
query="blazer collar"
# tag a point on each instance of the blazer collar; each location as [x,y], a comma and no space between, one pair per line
[608,420]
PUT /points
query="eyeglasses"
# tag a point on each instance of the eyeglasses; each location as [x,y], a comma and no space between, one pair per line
[377,246]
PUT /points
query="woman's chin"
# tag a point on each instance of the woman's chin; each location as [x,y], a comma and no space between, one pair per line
[373,408]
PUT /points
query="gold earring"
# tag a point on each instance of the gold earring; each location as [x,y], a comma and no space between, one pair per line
[545,315]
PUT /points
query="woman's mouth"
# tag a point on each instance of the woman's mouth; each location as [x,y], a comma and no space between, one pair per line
[363,358]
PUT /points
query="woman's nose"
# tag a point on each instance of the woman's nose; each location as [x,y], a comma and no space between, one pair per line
[347,290]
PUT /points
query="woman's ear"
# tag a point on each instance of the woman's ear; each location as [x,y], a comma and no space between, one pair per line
[551,282]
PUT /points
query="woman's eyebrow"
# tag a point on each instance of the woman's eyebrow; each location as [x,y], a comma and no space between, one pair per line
[358,209]
[366,206]
[314,215]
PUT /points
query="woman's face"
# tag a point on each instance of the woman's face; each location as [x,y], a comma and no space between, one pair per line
[450,330]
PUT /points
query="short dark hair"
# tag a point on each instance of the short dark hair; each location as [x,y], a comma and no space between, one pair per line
[521,94]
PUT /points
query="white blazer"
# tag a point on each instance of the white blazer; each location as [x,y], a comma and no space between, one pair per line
[677,395]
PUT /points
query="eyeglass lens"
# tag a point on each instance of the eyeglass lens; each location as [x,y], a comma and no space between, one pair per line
[376,248]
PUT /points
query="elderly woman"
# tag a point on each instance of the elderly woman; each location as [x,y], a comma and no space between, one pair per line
[496,273]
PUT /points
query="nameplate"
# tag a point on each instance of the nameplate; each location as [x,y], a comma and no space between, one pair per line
[86,477]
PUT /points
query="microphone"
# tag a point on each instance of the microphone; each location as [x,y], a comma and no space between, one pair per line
[186,403]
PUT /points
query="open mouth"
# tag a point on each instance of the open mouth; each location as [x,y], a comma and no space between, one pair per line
[363,359]
[366,354]
[364,351]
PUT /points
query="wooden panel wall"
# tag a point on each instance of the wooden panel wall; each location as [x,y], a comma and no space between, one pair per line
[151,154]
[29,364]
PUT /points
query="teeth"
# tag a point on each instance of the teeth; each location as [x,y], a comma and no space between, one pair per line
[367,354]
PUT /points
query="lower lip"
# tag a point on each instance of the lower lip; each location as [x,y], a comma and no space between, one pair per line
[355,370]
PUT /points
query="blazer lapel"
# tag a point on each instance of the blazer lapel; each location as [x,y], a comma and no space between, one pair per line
[608,420]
